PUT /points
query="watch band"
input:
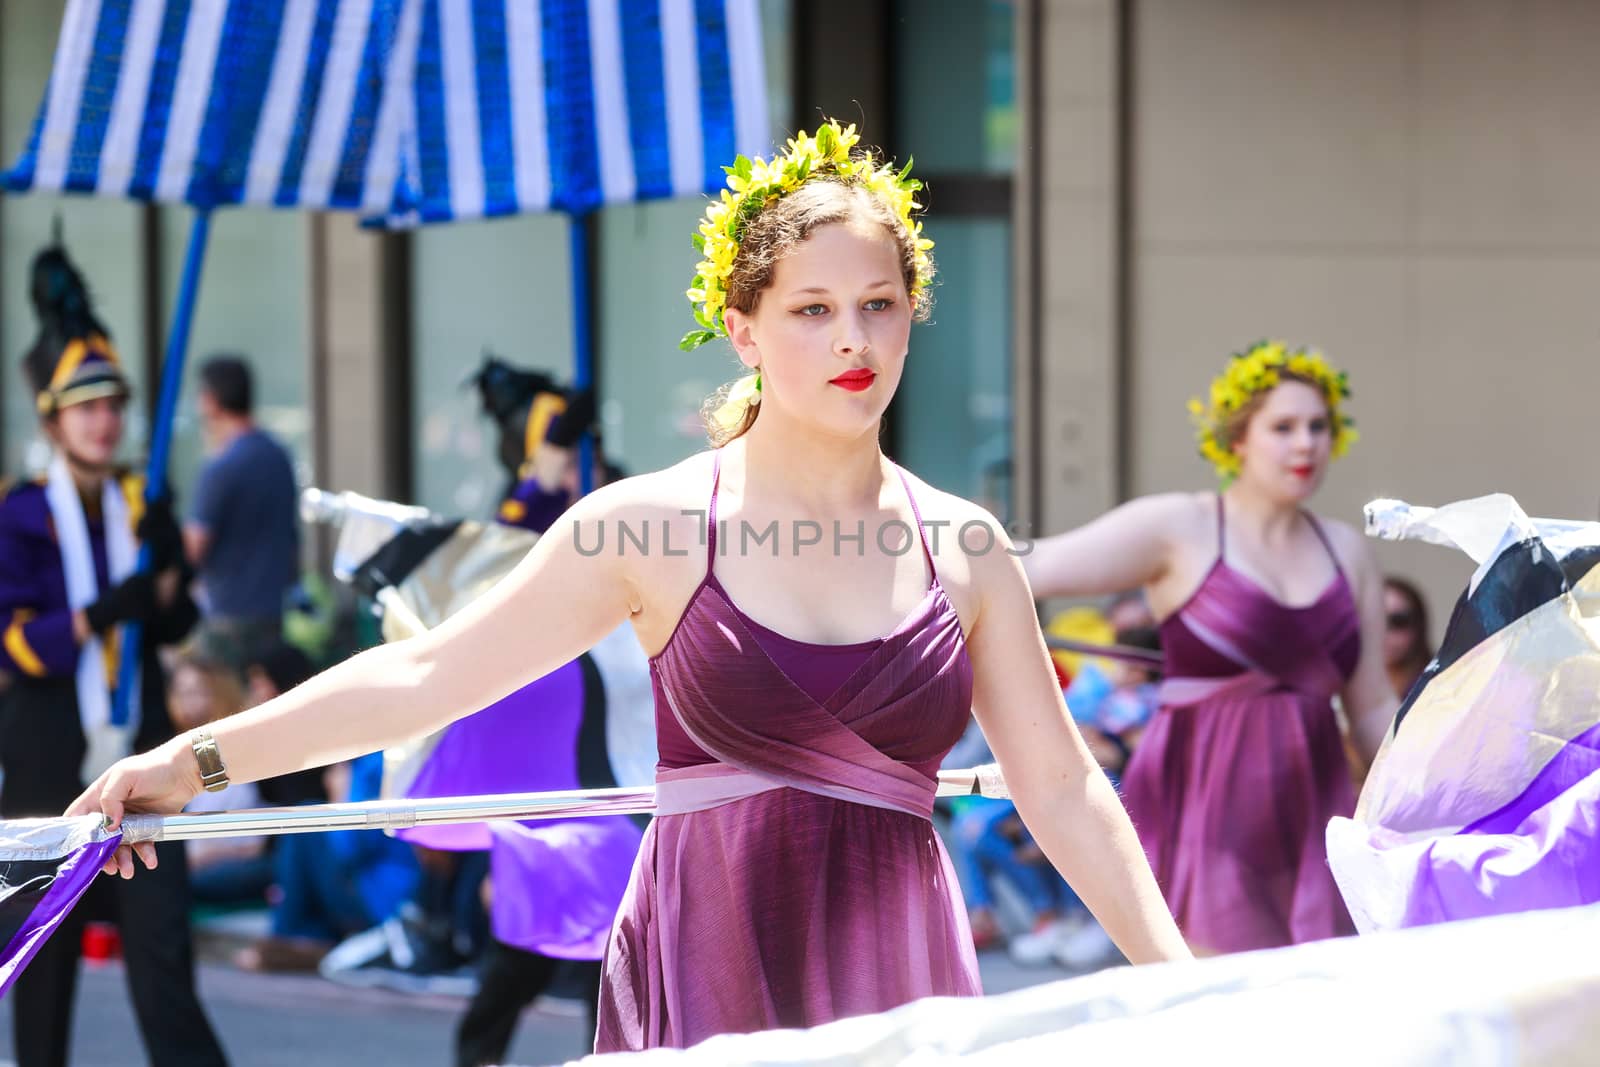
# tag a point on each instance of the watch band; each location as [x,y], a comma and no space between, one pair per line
[213,772]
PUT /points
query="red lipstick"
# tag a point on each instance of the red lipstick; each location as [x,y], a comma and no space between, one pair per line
[854,380]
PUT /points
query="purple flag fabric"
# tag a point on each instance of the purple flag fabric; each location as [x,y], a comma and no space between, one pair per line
[557,884]
[525,743]
[1485,798]
[45,866]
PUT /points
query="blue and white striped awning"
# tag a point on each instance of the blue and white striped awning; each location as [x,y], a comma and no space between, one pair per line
[404,110]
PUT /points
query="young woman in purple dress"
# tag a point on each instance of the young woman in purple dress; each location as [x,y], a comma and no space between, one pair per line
[1269,615]
[820,624]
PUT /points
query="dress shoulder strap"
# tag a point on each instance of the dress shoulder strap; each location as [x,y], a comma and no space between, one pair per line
[1323,537]
[711,510]
[922,534]
[1221,527]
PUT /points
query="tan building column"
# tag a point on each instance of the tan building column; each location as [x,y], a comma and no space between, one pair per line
[1068,392]
[360,392]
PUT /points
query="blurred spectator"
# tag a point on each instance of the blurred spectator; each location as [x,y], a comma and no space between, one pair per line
[1407,649]
[327,885]
[334,884]
[1111,701]
[241,535]
[1111,715]
[229,871]
[986,838]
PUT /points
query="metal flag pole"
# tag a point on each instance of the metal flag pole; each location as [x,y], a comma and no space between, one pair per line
[404,814]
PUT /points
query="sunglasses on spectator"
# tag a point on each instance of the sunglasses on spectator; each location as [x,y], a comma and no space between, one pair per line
[1400,620]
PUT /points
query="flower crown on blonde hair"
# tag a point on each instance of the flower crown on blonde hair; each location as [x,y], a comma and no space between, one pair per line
[1257,370]
[755,183]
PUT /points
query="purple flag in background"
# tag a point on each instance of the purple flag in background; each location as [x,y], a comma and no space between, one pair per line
[1485,798]
[526,743]
[557,883]
[45,866]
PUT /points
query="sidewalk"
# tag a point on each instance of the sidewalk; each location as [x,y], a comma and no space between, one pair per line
[305,1021]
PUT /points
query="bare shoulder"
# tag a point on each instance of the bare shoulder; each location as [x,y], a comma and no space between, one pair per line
[943,509]
[650,531]
[1180,516]
[1164,525]
[650,517]
[1352,547]
[972,549]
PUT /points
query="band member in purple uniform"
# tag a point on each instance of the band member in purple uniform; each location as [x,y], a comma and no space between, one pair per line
[69,541]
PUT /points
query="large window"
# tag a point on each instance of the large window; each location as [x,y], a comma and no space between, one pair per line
[955,105]
[955,112]
[952,418]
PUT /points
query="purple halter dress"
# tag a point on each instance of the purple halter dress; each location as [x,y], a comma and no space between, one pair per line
[792,875]
[1233,784]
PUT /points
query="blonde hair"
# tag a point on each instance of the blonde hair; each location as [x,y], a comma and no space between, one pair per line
[226,687]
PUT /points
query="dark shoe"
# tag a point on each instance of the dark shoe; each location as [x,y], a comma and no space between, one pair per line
[398,954]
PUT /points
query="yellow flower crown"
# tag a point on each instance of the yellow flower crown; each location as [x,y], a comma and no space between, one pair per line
[1257,370]
[753,184]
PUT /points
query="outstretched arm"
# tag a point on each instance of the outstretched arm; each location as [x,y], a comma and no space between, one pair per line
[1124,549]
[505,639]
[1062,794]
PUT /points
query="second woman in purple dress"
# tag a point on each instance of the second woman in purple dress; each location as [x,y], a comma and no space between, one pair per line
[1269,614]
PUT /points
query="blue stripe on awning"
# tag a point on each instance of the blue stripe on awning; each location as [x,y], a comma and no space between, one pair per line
[99,90]
[433,148]
[349,183]
[158,100]
[494,108]
[239,89]
[294,160]
[719,142]
[569,108]
[645,73]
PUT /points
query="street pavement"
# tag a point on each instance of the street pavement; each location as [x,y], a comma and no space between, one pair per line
[305,1021]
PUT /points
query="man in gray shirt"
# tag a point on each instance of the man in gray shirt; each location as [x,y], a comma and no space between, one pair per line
[241,534]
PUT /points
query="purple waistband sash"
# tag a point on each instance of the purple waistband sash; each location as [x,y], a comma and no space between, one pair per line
[680,790]
[1185,692]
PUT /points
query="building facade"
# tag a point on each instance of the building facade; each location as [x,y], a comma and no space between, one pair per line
[1121,191]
